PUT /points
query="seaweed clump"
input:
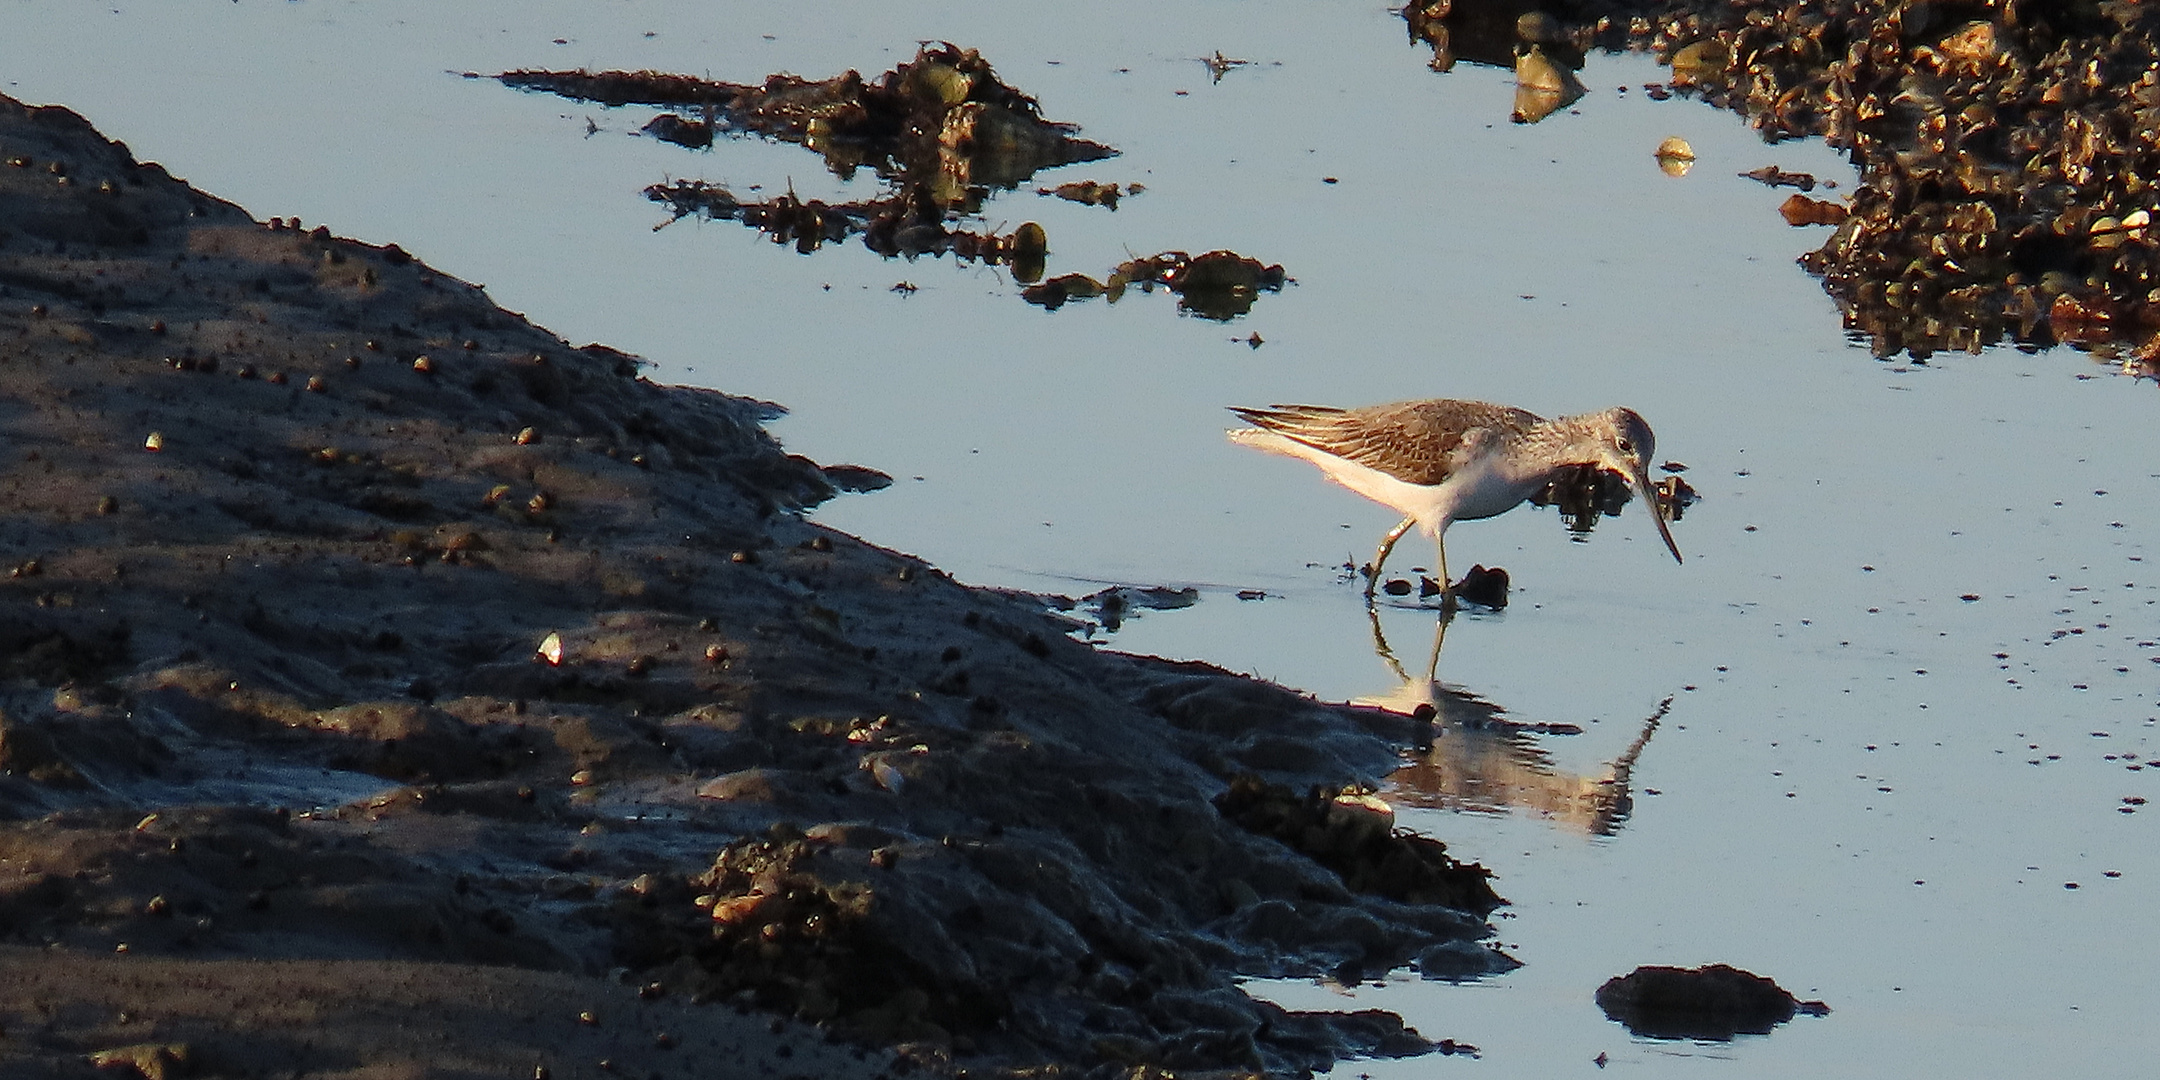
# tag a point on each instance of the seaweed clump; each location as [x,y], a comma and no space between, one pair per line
[1585,493]
[1218,285]
[942,130]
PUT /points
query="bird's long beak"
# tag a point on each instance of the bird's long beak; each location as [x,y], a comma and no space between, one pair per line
[1657,512]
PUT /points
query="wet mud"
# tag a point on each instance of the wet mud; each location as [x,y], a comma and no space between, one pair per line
[944,135]
[359,633]
[1716,1003]
[2006,151]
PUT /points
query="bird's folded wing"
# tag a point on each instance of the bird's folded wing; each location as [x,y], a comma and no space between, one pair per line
[1412,441]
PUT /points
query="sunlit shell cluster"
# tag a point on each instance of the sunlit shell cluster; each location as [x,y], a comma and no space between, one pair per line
[2008,152]
[2007,155]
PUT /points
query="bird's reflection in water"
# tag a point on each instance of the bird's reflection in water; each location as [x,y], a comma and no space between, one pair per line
[1479,760]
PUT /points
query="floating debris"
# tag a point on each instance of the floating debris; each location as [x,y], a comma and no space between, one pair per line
[1675,157]
[1776,177]
[1219,65]
[1092,192]
[1800,210]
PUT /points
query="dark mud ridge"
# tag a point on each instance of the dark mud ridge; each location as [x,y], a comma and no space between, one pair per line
[2007,149]
[387,685]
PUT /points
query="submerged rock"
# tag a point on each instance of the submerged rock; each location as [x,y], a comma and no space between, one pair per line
[1715,1002]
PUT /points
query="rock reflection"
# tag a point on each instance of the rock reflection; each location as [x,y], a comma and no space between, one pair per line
[1543,86]
[1515,34]
[1479,760]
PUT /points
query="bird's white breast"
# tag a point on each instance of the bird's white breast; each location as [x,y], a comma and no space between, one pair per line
[1481,485]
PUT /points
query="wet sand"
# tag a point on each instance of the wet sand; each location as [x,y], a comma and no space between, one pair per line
[385,683]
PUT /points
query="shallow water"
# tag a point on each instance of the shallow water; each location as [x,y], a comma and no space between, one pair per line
[1850,793]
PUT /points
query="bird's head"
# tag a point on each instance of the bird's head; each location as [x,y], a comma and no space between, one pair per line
[1627,447]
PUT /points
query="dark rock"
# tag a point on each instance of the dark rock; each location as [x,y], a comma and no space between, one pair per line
[1715,1002]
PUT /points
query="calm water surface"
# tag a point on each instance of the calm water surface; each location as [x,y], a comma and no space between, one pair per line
[1852,792]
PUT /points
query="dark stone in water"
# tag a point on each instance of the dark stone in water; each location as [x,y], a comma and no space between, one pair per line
[1484,587]
[1715,1002]
[2002,150]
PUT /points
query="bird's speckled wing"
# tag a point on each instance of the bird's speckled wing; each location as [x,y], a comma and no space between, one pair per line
[1412,441]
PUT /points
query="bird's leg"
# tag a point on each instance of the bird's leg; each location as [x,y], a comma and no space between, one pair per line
[1380,645]
[1387,544]
[1439,638]
[1447,584]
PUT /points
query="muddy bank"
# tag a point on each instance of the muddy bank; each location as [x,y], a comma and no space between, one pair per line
[354,623]
[2007,150]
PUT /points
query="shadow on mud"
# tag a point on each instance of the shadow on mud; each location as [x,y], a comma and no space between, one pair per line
[2006,152]
[942,133]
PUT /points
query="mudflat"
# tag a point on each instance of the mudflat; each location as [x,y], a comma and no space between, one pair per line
[390,688]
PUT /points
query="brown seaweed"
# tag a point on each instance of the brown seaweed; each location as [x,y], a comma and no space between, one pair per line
[942,131]
[1219,285]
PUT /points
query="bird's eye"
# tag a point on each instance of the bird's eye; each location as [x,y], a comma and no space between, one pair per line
[1626,446]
